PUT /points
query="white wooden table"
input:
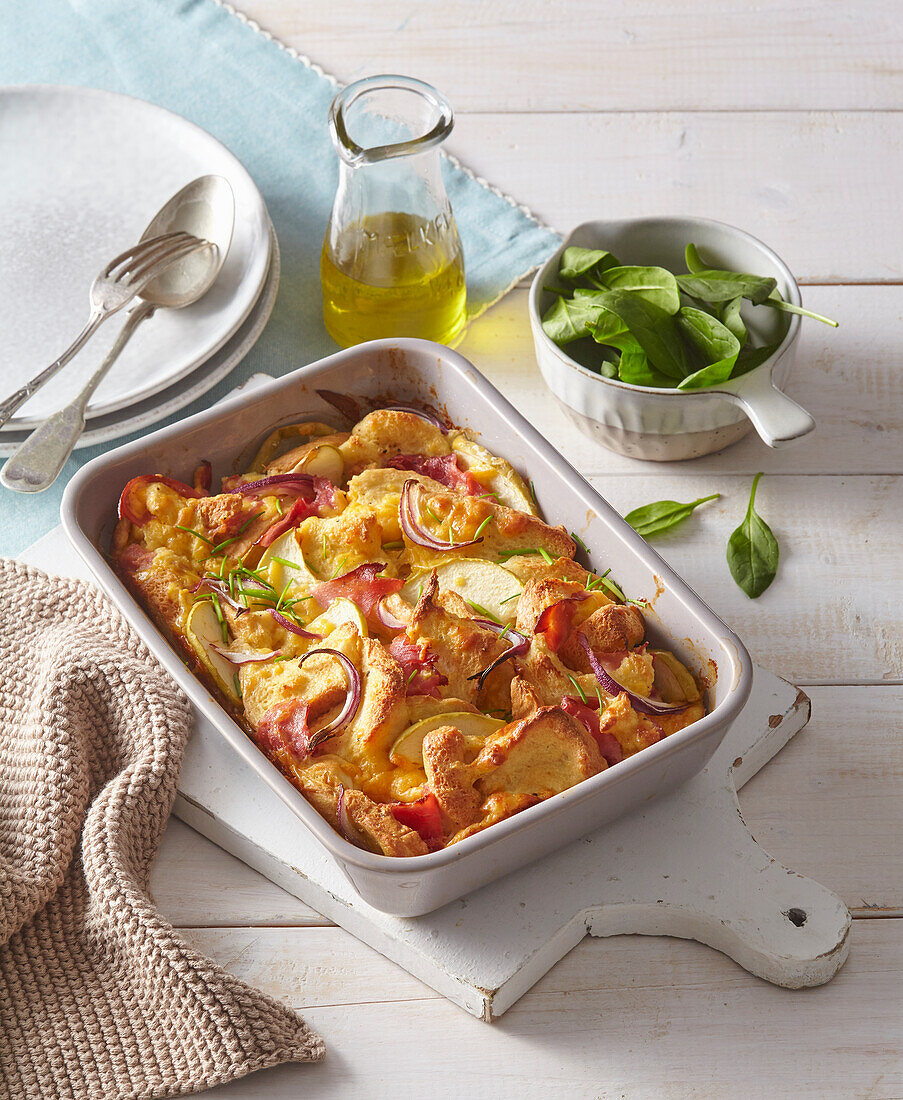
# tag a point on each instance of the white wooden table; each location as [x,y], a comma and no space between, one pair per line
[784,120]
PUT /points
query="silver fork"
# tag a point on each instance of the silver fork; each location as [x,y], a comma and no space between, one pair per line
[119,282]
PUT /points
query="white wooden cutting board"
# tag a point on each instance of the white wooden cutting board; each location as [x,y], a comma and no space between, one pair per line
[684,866]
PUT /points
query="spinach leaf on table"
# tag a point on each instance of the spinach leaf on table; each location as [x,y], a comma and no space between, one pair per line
[661,515]
[752,551]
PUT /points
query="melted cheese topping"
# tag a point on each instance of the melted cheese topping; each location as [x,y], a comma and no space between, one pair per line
[247,612]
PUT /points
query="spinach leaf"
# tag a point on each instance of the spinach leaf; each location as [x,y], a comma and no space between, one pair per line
[729,315]
[634,368]
[716,343]
[610,329]
[568,319]
[608,362]
[693,261]
[707,334]
[647,337]
[661,515]
[750,357]
[721,286]
[777,302]
[752,551]
[655,284]
[653,329]
[712,375]
[585,263]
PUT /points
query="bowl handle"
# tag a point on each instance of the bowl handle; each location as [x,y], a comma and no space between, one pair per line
[777,418]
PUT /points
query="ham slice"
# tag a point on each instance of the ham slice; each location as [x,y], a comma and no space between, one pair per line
[307,505]
[441,468]
[585,713]
[284,729]
[423,816]
[419,666]
[363,586]
[556,621]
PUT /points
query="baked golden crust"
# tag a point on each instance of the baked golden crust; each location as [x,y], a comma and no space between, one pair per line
[410,713]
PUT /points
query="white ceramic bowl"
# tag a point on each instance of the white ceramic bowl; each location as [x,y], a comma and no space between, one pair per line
[416,370]
[663,424]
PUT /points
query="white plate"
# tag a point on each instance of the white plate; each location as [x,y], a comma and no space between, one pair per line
[176,397]
[82,172]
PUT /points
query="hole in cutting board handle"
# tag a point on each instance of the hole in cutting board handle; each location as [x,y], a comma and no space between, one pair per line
[797,916]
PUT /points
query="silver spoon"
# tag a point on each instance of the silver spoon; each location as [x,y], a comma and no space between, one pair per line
[206,210]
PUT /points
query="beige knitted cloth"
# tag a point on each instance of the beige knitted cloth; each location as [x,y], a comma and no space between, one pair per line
[99,997]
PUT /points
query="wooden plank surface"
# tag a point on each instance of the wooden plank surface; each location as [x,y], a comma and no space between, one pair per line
[620,55]
[821,808]
[625,1017]
[803,182]
[785,121]
[849,378]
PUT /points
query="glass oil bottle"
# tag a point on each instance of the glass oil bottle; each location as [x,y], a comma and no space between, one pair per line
[391,263]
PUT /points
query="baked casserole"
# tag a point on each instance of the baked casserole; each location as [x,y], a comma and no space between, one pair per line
[389,618]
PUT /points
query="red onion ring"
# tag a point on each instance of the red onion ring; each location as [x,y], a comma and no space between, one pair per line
[291,627]
[348,406]
[427,414]
[348,830]
[281,483]
[611,685]
[222,590]
[517,648]
[385,616]
[352,699]
[351,408]
[125,509]
[412,527]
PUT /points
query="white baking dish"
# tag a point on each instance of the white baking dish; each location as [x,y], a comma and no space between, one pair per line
[416,370]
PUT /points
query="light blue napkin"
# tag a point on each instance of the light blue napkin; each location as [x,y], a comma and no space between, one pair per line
[199,59]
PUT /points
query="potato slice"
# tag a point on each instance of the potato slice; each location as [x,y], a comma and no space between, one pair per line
[287,548]
[505,482]
[340,611]
[202,628]
[476,581]
[408,749]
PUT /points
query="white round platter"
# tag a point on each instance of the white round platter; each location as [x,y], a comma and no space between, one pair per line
[151,410]
[82,172]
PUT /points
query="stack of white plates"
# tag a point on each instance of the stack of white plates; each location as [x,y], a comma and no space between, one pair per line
[82,172]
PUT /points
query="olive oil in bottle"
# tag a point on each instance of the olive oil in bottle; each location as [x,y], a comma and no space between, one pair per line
[393,274]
